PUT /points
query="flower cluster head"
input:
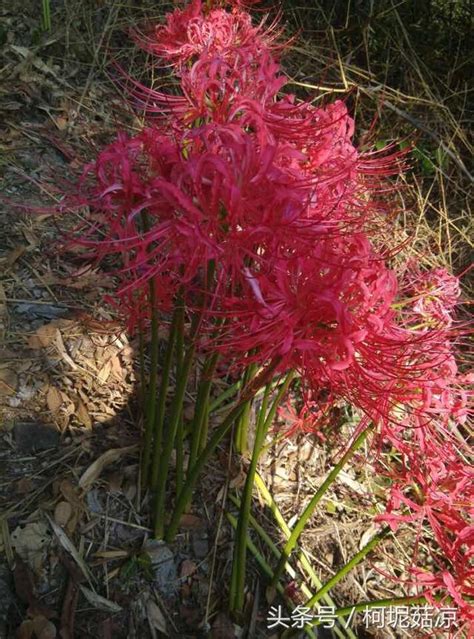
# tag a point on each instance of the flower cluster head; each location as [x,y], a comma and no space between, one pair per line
[257,210]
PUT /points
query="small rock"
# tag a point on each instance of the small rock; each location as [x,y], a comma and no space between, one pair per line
[40,311]
[163,564]
[94,502]
[200,543]
[33,436]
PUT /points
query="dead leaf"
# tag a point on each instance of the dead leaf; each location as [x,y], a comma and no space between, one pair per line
[270,594]
[191,522]
[8,381]
[23,485]
[54,399]
[62,513]
[82,414]
[30,541]
[43,336]
[70,493]
[239,480]
[23,579]
[95,469]
[26,630]
[68,408]
[61,122]
[156,618]
[116,367]
[67,544]
[14,255]
[43,628]
[101,603]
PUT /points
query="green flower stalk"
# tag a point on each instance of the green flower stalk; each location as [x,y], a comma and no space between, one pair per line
[308,511]
[263,424]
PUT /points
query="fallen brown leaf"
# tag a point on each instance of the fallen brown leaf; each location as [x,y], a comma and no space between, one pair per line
[43,628]
[96,468]
[14,255]
[23,579]
[8,381]
[192,522]
[156,619]
[43,336]
[54,399]
[26,630]
[62,513]
[82,414]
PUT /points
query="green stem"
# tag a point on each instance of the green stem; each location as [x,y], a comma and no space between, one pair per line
[227,394]
[220,432]
[241,433]
[263,424]
[201,409]
[180,429]
[300,524]
[265,537]
[150,408]
[169,442]
[162,395]
[46,15]
[141,361]
[204,430]
[191,478]
[237,593]
[302,558]
[356,559]
[179,455]
[266,569]
[292,573]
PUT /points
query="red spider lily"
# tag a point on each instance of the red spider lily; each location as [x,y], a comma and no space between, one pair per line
[435,492]
[433,294]
[311,418]
[200,29]
[213,194]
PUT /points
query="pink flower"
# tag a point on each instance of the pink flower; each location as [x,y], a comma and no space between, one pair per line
[197,31]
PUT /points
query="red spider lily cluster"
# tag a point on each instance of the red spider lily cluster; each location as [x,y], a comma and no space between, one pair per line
[257,211]
[432,481]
